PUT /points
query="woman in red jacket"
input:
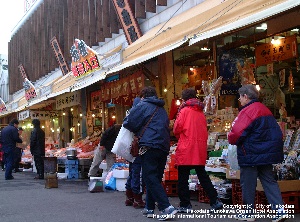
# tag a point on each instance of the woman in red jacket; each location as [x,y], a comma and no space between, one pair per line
[190,128]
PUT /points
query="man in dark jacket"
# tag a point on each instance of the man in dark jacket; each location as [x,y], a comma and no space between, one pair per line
[9,138]
[156,142]
[259,145]
[37,148]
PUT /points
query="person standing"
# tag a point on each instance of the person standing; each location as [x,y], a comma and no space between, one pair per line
[9,138]
[134,184]
[259,145]
[150,117]
[190,128]
[37,148]
[18,152]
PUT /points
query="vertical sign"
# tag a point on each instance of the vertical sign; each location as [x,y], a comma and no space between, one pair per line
[59,56]
[129,23]
[2,106]
[29,87]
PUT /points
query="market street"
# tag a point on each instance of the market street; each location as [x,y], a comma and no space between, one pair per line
[25,199]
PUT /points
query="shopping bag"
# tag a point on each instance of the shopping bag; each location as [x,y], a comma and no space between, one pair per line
[122,144]
[232,157]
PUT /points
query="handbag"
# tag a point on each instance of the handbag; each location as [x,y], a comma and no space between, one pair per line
[134,150]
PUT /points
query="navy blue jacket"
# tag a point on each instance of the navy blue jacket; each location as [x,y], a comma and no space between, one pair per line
[157,134]
[9,138]
[257,135]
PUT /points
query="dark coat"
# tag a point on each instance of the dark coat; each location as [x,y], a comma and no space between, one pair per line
[37,141]
[9,138]
[109,137]
[157,133]
[257,135]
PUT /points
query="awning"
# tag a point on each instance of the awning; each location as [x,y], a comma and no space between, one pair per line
[203,21]
[234,14]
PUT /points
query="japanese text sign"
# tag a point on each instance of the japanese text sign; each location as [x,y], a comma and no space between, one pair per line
[67,100]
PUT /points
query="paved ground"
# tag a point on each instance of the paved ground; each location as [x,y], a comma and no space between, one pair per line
[26,200]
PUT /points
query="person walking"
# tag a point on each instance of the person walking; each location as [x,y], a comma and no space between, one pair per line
[37,147]
[18,152]
[134,185]
[190,128]
[259,143]
[150,117]
[9,138]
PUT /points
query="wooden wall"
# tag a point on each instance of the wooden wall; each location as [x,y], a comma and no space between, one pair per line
[89,20]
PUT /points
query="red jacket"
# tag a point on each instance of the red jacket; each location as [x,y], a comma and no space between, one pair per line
[190,128]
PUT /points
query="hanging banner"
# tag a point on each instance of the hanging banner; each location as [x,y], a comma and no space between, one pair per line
[24,115]
[2,106]
[96,100]
[196,75]
[84,59]
[59,56]
[30,92]
[279,50]
[67,100]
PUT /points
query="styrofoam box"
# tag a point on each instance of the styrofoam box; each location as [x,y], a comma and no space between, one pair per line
[103,165]
[62,175]
[120,173]
[120,184]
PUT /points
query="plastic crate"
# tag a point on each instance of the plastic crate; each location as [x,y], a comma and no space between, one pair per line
[71,166]
[292,198]
[171,188]
[68,171]
[71,162]
[203,198]
[73,175]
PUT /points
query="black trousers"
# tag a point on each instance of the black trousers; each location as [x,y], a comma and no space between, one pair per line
[183,184]
[39,164]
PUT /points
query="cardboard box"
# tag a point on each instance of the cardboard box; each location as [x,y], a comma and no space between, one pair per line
[232,174]
[284,185]
[122,174]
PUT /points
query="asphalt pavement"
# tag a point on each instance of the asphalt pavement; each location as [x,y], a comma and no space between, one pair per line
[25,199]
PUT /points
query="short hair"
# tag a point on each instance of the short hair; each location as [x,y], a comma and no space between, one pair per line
[148,91]
[188,94]
[36,122]
[250,91]
[14,121]
[20,128]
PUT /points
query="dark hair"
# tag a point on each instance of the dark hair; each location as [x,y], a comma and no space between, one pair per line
[36,122]
[20,128]
[14,121]
[188,94]
[148,91]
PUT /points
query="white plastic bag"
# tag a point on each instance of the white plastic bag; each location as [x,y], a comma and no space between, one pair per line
[122,144]
[232,157]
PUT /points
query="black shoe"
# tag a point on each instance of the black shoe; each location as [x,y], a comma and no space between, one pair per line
[9,178]
[16,171]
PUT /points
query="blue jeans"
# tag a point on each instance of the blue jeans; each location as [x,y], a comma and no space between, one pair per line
[134,182]
[9,163]
[153,165]
[267,178]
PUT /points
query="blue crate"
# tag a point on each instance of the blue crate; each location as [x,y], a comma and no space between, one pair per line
[71,162]
[71,166]
[71,171]
[73,175]
[61,161]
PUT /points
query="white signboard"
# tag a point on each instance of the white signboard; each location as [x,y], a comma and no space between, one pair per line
[42,115]
[67,100]
[24,115]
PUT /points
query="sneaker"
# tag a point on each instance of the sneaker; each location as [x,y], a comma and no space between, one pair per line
[280,217]
[148,213]
[167,213]
[185,209]
[244,217]
[218,205]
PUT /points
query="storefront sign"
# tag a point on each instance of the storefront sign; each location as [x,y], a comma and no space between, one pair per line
[279,50]
[30,92]
[59,56]
[67,100]
[42,115]
[24,115]
[196,75]
[84,59]
[129,23]
[14,105]
[2,106]
[96,100]
[122,91]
